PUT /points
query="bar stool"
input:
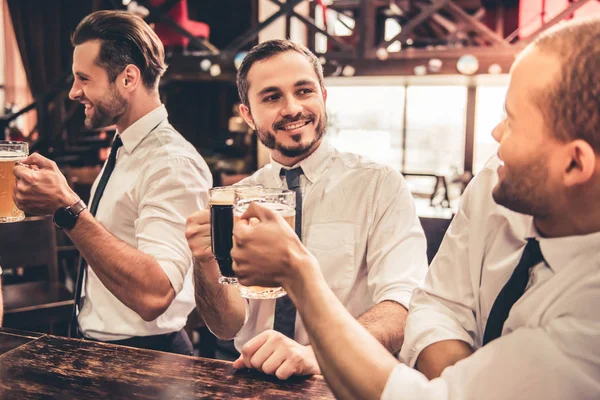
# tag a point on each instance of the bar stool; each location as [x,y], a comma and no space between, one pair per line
[31,305]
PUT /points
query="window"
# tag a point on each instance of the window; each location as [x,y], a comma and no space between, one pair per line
[366,116]
[489,111]
[435,128]
[367,120]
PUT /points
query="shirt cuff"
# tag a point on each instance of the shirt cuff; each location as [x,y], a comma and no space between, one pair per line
[409,384]
[174,274]
[409,353]
[402,298]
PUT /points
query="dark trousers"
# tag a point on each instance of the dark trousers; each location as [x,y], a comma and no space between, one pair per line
[174,342]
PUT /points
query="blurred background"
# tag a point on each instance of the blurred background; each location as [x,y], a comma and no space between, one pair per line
[414,84]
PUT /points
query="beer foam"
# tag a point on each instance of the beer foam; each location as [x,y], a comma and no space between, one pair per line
[283,209]
[11,156]
[222,197]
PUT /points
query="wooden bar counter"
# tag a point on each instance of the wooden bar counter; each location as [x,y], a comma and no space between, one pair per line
[37,366]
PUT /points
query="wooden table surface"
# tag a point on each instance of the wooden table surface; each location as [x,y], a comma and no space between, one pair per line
[36,366]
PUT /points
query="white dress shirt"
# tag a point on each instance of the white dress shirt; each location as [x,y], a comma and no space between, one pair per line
[550,343]
[158,181]
[359,221]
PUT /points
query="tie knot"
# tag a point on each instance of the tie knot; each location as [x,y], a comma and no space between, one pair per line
[292,177]
[117,142]
[532,255]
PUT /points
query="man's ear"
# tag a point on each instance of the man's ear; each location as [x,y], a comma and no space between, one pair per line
[247,115]
[131,77]
[579,164]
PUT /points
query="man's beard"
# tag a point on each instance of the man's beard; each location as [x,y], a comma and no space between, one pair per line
[106,113]
[524,190]
[268,138]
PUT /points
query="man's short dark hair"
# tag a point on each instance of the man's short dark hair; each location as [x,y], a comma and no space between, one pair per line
[266,50]
[571,106]
[125,39]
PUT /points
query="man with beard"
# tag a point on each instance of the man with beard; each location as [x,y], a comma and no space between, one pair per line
[137,290]
[509,309]
[357,217]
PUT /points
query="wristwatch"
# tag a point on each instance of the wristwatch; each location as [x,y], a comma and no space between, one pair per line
[66,217]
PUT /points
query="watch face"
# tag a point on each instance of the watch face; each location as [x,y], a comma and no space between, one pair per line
[64,219]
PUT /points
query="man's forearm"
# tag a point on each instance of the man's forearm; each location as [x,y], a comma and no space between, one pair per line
[437,356]
[132,276]
[343,347]
[386,321]
[221,306]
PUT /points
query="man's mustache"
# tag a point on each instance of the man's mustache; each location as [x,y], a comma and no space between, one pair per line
[279,125]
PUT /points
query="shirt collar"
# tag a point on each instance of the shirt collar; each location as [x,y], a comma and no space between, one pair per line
[312,166]
[136,132]
[559,252]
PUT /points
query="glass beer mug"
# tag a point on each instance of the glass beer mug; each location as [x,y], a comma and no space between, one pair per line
[11,153]
[221,201]
[282,201]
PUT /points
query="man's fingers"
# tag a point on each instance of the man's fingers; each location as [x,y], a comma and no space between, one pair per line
[199,218]
[239,363]
[23,172]
[259,212]
[39,160]
[273,363]
[252,346]
[287,369]
[241,232]
[194,231]
[261,355]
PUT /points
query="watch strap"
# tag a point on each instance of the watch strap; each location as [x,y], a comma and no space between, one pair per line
[77,208]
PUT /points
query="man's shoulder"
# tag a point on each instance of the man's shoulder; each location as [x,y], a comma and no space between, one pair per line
[258,177]
[355,167]
[167,143]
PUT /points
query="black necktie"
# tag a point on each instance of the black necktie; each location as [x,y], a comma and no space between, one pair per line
[108,169]
[285,311]
[512,291]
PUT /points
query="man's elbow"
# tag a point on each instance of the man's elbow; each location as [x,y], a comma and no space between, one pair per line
[155,306]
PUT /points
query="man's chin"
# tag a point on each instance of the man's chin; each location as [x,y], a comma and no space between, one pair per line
[293,152]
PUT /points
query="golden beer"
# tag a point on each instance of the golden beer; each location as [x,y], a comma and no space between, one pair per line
[10,154]
[281,201]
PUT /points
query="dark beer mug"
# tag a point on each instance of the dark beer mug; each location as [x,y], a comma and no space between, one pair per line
[221,229]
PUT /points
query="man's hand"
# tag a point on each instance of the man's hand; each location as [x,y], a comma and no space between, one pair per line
[41,189]
[197,233]
[266,250]
[276,354]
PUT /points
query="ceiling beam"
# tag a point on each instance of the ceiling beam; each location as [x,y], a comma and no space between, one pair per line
[477,26]
[426,13]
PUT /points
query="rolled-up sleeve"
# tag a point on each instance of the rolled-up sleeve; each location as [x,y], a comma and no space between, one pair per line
[173,188]
[396,256]
[558,361]
[444,308]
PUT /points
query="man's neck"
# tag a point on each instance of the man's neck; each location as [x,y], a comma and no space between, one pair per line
[138,109]
[291,161]
[569,223]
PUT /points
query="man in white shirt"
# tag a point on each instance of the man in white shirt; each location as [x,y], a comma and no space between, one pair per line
[357,217]
[138,288]
[509,307]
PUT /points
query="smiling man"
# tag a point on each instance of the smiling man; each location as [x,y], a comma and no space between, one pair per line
[357,217]
[509,308]
[137,289]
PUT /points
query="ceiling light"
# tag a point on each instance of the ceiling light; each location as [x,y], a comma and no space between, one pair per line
[467,64]
[215,70]
[205,64]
